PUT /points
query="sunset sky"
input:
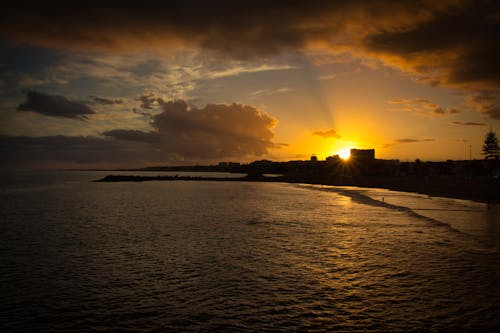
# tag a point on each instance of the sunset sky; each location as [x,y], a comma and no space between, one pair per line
[115,84]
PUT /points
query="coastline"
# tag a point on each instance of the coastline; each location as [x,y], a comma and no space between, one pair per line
[467,190]
[480,190]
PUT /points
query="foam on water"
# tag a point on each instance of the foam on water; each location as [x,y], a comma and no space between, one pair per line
[462,216]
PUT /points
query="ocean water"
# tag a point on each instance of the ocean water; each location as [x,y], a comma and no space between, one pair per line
[79,256]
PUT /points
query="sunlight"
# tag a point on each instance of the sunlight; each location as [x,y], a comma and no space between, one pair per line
[344,153]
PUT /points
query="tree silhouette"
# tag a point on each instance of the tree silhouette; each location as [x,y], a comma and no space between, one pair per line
[491,150]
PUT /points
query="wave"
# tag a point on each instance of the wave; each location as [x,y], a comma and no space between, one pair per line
[364,199]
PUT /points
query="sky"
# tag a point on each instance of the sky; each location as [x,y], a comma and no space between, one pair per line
[103,84]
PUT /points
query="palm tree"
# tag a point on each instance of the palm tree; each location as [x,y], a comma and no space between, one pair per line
[491,150]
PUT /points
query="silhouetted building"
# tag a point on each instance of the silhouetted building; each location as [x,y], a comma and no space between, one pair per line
[228,164]
[363,154]
[333,159]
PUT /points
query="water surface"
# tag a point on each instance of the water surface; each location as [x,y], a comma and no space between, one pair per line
[236,256]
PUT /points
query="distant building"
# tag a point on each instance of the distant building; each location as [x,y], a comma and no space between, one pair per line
[228,164]
[363,154]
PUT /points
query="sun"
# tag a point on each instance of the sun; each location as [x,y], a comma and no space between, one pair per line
[344,153]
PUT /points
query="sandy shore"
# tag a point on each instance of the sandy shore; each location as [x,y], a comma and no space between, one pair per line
[477,190]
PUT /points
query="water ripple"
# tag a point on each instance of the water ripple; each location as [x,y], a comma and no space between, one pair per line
[232,257]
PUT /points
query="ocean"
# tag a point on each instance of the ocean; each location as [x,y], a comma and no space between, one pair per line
[198,256]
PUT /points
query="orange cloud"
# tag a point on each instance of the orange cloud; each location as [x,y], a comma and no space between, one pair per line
[486,103]
[215,131]
[452,43]
[406,140]
[331,133]
[245,29]
[420,106]
[469,123]
[179,134]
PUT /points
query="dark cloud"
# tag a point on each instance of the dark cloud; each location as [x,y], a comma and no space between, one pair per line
[242,29]
[331,133]
[67,151]
[238,28]
[25,59]
[148,100]
[134,135]
[407,140]
[215,131]
[143,113]
[469,123]
[444,111]
[54,106]
[457,47]
[487,103]
[493,112]
[106,101]
[447,42]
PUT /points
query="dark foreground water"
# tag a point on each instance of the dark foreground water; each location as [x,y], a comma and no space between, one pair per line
[77,256]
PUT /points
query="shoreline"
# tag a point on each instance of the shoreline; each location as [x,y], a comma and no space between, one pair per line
[483,191]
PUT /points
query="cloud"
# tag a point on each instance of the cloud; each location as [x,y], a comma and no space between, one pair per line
[412,36]
[179,134]
[148,100]
[407,140]
[80,151]
[54,106]
[106,101]
[486,103]
[147,68]
[443,111]
[215,131]
[134,135]
[240,29]
[331,133]
[240,69]
[327,77]
[420,106]
[143,113]
[246,29]
[269,92]
[469,123]
[466,58]
[70,151]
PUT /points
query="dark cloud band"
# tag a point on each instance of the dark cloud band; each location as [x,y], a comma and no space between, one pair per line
[407,140]
[453,43]
[54,106]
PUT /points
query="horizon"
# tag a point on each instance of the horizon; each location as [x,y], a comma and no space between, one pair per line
[202,83]
[216,164]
